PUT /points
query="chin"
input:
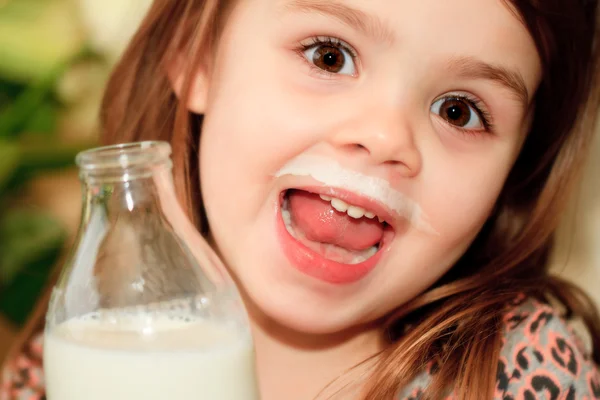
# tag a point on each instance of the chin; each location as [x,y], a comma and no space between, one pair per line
[305,317]
[294,271]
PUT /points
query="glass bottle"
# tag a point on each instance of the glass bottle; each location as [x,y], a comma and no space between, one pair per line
[144,309]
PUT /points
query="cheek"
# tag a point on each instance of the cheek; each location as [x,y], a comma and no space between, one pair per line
[463,192]
[458,197]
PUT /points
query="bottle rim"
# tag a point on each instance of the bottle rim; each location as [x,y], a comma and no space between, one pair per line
[123,162]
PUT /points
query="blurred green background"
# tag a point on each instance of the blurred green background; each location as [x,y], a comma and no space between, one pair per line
[55,58]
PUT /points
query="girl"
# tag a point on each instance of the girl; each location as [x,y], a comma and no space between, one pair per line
[383,180]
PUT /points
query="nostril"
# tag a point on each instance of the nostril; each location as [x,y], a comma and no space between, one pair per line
[394,162]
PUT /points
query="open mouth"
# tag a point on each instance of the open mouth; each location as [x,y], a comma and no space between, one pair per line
[335,237]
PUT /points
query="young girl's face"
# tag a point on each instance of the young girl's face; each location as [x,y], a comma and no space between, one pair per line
[413,110]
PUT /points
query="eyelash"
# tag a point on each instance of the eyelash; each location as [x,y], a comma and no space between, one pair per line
[477,104]
[325,41]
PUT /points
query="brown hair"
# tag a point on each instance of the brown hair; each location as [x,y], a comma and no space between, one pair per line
[458,320]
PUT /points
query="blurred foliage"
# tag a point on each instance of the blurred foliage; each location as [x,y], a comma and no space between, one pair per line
[37,35]
[31,242]
[30,239]
[52,73]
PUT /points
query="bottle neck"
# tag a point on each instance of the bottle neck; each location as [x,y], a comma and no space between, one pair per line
[131,218]
[123,163]
[132,194]
[125,178]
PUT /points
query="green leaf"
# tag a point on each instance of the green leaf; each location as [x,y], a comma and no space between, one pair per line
[30,245]
[26,236]
[14,117]
[18,299]
[9,91]
[9,160]
[44,120]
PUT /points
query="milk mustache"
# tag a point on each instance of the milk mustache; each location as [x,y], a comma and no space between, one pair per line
[181,358]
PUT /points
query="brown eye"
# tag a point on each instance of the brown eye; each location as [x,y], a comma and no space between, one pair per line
[458,112]
[331,57]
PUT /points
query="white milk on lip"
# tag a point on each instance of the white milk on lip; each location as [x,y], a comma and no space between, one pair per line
[330,173]
[86,359]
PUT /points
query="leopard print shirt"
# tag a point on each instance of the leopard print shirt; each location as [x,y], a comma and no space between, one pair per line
[541,359]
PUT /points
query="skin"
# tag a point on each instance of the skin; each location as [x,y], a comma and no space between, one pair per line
[265,103]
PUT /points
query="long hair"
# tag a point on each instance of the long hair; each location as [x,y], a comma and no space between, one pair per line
[458,320]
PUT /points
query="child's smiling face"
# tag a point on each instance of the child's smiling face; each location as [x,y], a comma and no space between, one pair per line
[430,98]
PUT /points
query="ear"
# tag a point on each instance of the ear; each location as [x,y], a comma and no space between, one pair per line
[198,84]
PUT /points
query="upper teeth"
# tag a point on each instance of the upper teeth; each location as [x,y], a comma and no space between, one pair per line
[353,211]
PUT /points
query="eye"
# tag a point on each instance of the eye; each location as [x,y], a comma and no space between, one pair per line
[331,55]
[461,112]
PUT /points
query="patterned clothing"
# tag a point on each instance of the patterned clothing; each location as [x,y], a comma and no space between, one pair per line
[23,379]
[541,359]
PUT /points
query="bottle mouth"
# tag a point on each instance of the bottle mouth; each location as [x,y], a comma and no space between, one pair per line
[124,161]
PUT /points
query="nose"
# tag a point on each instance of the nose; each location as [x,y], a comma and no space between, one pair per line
[386,138]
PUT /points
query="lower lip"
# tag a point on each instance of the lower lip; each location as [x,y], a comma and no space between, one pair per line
[314,265]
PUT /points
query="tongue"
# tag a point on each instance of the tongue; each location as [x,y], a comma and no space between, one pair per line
[321,223]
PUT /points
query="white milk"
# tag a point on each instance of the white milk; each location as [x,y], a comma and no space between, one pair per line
[86,359]
[331,173]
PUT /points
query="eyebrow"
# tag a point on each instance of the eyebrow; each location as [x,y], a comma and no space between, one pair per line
[469,67]
[368,24]
[466,67]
